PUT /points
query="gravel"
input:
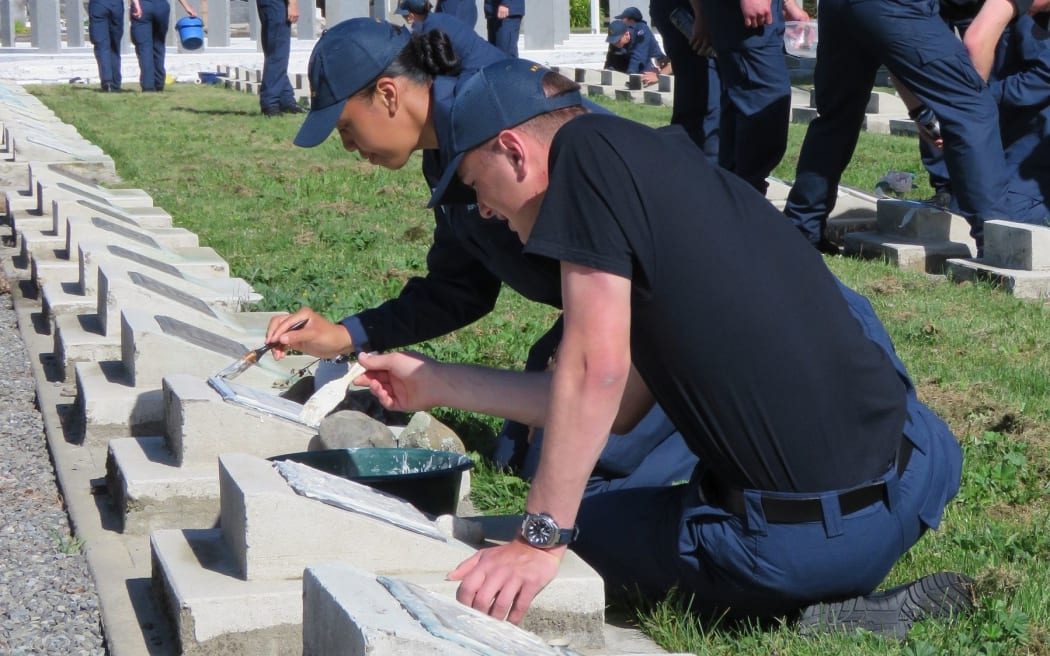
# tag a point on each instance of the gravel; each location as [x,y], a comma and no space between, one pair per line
[48,603]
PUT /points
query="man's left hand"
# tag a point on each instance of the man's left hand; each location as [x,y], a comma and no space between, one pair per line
[502,581]
[756,13]
[502,12]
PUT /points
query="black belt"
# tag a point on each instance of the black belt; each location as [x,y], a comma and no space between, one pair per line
[796,510]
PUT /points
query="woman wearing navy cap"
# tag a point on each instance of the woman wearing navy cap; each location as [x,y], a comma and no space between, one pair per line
[387,95]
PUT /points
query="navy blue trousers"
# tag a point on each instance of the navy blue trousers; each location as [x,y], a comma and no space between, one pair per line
[697,89]
[106,29]
[913,42]
[148,33]
[756,90]
[275,32]
[651,539]
[504,34]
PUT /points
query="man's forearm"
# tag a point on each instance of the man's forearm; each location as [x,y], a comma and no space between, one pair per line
[983,34]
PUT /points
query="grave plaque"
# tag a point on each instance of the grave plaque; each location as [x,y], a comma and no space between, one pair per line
[177,295]
[139,258]
[134,235]
[355,497]
[202,338]
[250,397]
[454,622]
[108,211]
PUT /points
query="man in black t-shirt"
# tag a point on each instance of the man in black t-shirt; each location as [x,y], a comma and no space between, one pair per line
[819,467]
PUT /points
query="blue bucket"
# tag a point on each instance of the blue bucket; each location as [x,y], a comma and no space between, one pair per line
[191,32]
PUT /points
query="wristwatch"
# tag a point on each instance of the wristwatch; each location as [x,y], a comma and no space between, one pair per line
[541,531]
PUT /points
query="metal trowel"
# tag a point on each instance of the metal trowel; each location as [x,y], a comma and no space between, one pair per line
[252,357]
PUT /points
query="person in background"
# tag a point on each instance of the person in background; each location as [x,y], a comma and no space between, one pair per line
[640,29]
[697,91]
[276,96]
[464,10]
[630,52]
[503,18]
[923,54]
[106,29]
[748,38]
[149,30]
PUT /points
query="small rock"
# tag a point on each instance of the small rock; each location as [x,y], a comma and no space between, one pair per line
[426,432]
[347,429]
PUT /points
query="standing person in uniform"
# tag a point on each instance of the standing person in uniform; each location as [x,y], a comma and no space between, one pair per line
[106,29]
[697,90]
[276,96]
[818,465]
[748,37]
[503,18]
[464,10]
[149,30]
[913,42]
[387,96]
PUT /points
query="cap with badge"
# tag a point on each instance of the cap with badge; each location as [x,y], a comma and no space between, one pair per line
[617,28]
[633,13]
[345,60]
[406,7]
[497,97]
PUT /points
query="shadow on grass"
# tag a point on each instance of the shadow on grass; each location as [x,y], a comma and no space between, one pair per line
[215,112]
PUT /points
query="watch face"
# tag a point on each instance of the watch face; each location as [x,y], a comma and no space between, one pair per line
[540,531]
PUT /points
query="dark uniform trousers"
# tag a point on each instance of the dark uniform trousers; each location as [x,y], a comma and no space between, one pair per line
[655,538]
[275,33]
[912,40]
[697,88]
[504,33]
[148,33]
[756,90]
[106,29]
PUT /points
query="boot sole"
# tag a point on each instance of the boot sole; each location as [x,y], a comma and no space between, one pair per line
[892,613]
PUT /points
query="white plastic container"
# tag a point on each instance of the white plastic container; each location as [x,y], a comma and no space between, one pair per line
[800,38]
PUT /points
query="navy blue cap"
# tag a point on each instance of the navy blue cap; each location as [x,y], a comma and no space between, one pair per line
[346,58]
[631,12]
[406,7]
[616,30]
[497,97]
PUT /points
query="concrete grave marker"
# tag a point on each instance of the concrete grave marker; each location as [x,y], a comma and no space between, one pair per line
[177,295]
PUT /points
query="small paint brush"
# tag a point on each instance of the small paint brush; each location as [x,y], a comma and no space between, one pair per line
[252,357]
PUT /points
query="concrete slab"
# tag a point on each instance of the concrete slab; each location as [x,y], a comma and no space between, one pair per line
[585,76]
[922,222]
[166,263]
[101,228]
[140,217]
[629,95]
[198,425]
[149,491]
[346,607]
[206,593]
[614,79]
[124,283]
[1022,284]
[928,257]
[1012,245]
[110,405]
[273,533]
[79,338]
[601,90]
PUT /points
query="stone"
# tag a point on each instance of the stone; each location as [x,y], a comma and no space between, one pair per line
[347,429]
[425,432]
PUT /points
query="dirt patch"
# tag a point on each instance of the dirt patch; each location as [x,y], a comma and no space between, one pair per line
[5,286]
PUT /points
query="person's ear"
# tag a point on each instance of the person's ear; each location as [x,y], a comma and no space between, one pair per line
[388,94]
[514,147]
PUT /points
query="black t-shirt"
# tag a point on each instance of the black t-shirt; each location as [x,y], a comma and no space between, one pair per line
[737,326]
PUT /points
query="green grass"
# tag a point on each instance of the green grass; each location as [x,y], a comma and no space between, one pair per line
[321,227]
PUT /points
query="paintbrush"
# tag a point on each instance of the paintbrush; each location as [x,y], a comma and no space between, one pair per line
[252,357]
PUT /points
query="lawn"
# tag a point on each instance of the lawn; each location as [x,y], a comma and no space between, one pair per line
[323,228]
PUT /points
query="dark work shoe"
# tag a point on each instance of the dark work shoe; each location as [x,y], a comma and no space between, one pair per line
[294,109]
[270,112]
[892,613]
[943,199]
